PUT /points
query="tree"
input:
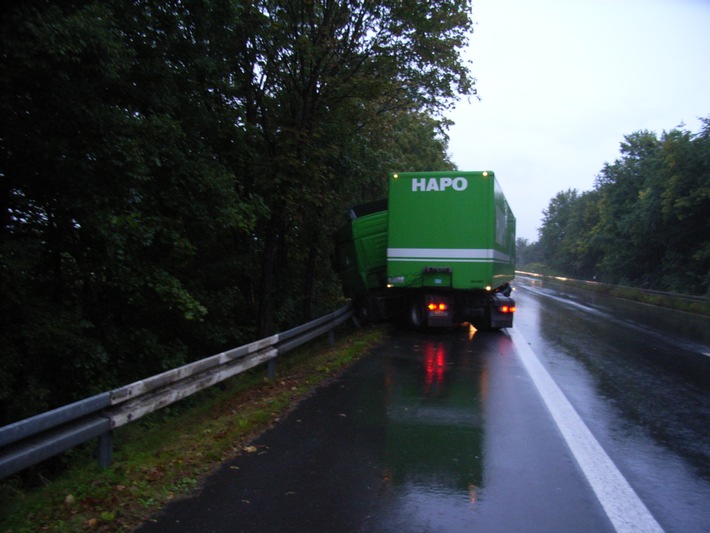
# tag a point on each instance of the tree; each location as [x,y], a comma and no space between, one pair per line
[114,171]
[682,202]
[528,255]
[645,223]
[554,232]
[169,168]
[327,70]
[623,186]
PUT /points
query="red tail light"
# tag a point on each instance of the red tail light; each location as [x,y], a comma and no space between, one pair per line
[437,306]
[507,309]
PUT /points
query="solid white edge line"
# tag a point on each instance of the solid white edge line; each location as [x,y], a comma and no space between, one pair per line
[620,502]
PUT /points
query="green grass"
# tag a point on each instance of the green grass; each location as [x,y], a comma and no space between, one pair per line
[677,302]
[166,455]
[672,302]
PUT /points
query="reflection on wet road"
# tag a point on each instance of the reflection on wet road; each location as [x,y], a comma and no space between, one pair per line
[478,449]
[640,378]
[445,431]
[433,431]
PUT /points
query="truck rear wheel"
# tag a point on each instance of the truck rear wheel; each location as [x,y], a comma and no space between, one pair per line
[416,314]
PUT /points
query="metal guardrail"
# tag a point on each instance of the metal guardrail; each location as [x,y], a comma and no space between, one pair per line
[30,441]
[679,296]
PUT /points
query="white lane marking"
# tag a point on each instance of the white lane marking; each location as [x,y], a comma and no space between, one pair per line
[619,500]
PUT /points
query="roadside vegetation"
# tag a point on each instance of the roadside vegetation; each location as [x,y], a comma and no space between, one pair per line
[171,176]
[172,173]
[170,453]
[679,302]
[645,225]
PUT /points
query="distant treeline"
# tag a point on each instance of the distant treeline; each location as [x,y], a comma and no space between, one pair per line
[646,223]
[171,172]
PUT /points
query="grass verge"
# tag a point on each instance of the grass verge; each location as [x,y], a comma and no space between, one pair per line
[169,453]
[677,302]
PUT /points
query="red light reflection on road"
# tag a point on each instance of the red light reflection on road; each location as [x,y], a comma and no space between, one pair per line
[434,366]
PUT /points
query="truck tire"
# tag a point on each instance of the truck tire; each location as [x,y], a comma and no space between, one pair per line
[416,314]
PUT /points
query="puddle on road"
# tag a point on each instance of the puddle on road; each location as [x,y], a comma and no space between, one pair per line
[429,405]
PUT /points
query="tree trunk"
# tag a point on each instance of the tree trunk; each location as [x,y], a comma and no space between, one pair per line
[273,237]
[310,277]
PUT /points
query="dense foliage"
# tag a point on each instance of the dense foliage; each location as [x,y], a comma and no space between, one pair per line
[646,223]
[172,171]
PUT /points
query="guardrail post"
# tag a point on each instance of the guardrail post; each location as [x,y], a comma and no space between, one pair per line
[106,449]
[272,368]
[331,338]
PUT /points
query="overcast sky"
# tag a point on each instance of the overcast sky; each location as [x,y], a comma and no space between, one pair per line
[562,82]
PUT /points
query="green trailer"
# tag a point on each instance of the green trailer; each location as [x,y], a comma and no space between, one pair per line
[449,255]
[361,259]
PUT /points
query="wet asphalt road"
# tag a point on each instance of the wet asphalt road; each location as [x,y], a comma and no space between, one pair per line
[446,431]
[640,379]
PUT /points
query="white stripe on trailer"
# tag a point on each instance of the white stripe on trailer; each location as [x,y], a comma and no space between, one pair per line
[446,254]
[441,260]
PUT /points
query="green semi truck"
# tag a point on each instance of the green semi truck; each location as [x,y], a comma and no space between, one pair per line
[440,250]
